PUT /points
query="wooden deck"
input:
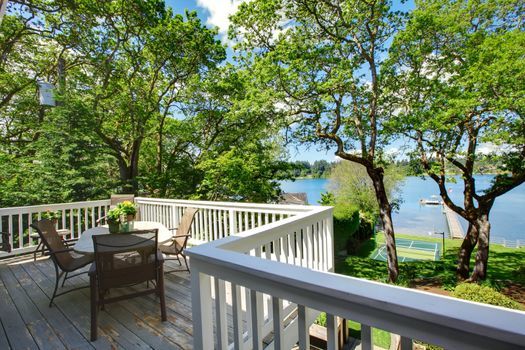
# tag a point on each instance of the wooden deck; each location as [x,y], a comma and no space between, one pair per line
[27,322]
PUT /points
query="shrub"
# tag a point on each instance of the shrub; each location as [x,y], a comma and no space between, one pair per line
[483,294]
[346,224]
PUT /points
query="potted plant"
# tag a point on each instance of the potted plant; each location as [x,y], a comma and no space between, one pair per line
[113,220]
[128,210]
[51,215]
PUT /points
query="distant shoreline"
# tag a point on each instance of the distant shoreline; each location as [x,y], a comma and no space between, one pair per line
[310,177]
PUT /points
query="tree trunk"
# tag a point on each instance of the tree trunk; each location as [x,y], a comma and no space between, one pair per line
[125,175]
[482,256]
[385,213]
[465,252]
[129,169]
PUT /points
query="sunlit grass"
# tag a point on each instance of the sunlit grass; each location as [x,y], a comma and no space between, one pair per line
[505,264]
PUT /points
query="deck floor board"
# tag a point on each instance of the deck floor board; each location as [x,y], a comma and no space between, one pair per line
[26,321]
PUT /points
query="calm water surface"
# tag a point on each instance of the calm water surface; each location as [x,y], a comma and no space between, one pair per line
[507,216]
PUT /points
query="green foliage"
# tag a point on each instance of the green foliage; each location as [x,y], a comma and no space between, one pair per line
[51,215]
[248,173]
[127,208]
[485,295]
[320,64]
[346,224]
[114,215]
[350,183]
[317,169]
[120,211]
[327,199]
[142,107]
[381,338]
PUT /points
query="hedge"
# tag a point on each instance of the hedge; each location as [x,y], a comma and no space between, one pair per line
[484,294]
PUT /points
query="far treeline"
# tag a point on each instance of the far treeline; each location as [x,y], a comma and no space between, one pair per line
[316,169]
[409,166]
[147,103]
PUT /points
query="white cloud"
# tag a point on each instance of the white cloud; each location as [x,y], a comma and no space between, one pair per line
[219,12]
[490,148]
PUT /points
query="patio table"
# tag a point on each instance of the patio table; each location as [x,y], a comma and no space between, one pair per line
[84,244]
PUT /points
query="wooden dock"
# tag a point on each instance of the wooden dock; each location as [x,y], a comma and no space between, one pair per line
[454,226]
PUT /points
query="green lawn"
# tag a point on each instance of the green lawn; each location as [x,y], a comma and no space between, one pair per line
[505,264]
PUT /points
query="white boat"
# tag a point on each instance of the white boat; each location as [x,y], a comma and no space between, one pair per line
[424,201]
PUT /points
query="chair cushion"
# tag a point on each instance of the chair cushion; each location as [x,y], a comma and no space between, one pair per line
[78,261]
[170,248]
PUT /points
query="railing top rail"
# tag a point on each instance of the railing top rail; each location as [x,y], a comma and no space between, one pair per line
[229,205]
[56,206]
[417,314]
[269,232]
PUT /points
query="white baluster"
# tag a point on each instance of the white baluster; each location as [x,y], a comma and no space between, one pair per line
[278,327]
[304,329]
[367,342]
[331,332]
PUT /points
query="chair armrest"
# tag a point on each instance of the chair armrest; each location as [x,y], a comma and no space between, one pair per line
[100,219]
[92,269]
[62,251]
[179,236]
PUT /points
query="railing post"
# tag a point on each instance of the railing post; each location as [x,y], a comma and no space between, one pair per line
[201,303]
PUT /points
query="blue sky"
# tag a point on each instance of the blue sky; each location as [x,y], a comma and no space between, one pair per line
[214,13]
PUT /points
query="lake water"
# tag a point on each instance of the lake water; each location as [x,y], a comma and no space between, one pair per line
[507,216]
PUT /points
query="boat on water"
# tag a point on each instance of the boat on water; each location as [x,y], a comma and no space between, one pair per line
[434,200]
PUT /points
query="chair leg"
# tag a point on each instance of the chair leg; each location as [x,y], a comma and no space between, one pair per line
[57,280]
[64,280]
[38,249]
[185,261]
[160,286]
[94,306]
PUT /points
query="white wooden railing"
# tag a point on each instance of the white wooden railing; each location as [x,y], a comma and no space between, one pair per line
[77,217]
[214,220]
[266,273]
[259,273]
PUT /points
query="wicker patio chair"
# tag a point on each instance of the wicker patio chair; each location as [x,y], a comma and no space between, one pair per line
[176,246]
[64,260]
[4,244]
[123,260]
